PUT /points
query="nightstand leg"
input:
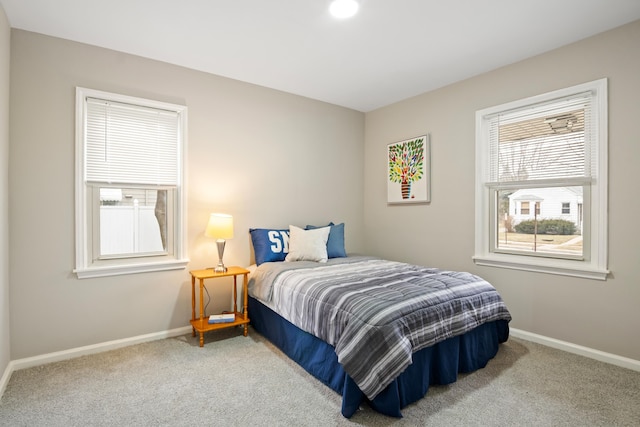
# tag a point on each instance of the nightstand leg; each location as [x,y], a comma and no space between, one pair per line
[245,302]
[193,303]
[201,309]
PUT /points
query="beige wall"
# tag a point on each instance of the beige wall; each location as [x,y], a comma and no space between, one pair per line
[269,158]
[4,193]
[595,314]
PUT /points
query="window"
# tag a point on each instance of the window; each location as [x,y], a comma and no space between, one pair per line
[535,158]
[129,184]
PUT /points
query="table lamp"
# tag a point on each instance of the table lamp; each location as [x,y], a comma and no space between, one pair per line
[220,227]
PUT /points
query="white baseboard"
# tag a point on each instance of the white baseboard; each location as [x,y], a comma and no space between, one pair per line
[591,353]
[28,362]
[5,378]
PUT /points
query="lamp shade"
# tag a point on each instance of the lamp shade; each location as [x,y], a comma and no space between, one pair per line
[220,226]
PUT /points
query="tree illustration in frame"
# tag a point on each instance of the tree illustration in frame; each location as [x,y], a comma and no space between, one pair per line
[408,171]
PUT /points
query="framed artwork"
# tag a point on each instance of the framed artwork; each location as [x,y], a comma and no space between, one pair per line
[408,171]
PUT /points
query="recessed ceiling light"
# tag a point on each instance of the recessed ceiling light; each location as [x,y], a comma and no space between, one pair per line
[343,8]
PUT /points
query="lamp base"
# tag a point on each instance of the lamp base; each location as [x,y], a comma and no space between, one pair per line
[220,268]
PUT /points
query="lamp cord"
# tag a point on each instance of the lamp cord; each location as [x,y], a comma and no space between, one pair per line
[208,300]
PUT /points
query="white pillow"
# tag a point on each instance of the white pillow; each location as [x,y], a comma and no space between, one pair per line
[308,245]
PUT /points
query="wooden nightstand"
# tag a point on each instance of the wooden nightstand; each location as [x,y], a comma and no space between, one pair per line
[201,324]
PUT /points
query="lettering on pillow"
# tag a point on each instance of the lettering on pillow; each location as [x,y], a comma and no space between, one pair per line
[279,241]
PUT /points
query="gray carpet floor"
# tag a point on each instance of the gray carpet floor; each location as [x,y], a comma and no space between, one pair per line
[238,381]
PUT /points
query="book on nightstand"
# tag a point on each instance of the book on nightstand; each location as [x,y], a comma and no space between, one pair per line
[222,318]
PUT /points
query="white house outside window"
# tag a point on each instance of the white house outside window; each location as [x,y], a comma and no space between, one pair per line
[129,184]
[541,184]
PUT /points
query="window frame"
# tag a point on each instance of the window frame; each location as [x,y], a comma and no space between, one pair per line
[593,265]
[87,228]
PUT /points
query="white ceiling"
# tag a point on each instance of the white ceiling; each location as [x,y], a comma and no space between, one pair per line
[391,50]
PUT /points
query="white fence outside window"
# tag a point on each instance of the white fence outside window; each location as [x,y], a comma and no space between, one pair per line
[129,229]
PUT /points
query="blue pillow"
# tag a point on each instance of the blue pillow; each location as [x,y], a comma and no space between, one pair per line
[269,245]
[335,244]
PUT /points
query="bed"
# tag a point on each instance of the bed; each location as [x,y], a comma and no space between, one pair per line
[374,330]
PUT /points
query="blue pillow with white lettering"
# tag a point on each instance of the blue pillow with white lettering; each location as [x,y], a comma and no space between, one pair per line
[269,245]
[335,243]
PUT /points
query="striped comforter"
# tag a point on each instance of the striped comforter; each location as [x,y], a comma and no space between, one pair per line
[376,313]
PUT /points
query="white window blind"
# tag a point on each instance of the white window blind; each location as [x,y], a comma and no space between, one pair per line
[131,144]
[553,140]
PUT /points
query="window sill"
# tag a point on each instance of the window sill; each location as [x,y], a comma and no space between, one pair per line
[543,265]
[116,270]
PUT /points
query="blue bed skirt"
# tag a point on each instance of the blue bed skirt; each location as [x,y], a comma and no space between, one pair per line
[438,364]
